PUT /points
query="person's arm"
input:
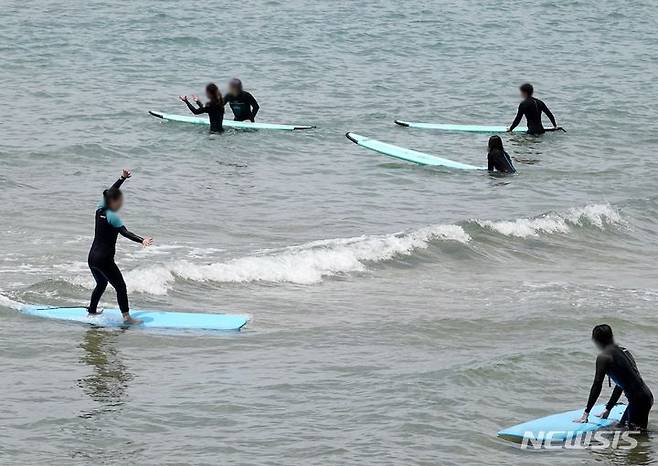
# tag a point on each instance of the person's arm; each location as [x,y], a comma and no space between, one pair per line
[254,107]
[597,385]
[130,235]
[549,114]
[614,398]
[193,109]
[517,119]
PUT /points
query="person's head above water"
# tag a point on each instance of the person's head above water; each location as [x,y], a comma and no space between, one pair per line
[526,90]
[495,143]
[213,94]
[235,86]
[113,199]
[602,336]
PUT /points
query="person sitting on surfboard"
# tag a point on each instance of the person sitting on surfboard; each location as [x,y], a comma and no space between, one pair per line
[101,255]
[242,103]
[499,160]
[532,109]
[618,364]
[214,108]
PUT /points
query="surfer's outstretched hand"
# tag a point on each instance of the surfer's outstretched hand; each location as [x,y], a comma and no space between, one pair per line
[603,414]
[125,173]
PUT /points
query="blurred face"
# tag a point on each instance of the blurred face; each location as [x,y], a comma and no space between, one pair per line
[115,204]
[233,90]
[208,95]
[598,345]
[524,95]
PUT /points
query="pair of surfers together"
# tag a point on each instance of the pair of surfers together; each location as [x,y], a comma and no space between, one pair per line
[532,109]
[242,103]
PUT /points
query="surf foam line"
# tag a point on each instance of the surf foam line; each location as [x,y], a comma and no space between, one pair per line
[304,264]
[597,215]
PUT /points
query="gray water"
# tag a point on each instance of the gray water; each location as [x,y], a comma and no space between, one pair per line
[401,315]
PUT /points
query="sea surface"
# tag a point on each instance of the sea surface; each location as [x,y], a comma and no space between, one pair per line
[401,315]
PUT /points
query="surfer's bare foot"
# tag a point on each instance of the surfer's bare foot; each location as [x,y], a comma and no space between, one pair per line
[130,320]
[97,313]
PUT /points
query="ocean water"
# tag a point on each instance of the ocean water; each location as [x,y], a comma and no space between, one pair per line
[401,315]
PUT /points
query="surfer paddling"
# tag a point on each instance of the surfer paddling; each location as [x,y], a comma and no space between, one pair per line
[101,255]
[532,109]
[617,363]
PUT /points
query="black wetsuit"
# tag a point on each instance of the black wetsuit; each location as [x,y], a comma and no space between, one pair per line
[244,106]
[101,255]
[618,364]
[532,109]
[500,160]
[215,114]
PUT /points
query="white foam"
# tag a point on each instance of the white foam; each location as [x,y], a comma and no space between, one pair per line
[10,303]
[304,264]
[598,215]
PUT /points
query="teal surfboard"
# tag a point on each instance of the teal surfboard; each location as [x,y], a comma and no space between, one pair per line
[465,128]
[152,319]
[407,154]
[227,123]
[561,426]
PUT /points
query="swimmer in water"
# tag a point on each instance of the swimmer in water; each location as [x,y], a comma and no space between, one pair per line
[619,365]
[242,103]
[101,255]
[214,107]
[532,109]
[498,159]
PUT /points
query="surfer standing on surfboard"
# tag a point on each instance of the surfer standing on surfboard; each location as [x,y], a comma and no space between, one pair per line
[617,363]
[242,103]
[214,108]
[101,255]
[532,109]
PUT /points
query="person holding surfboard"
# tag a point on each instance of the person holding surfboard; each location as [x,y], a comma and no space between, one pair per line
[108,226]
[532,109]
[498,159]
[214,108]
[619,365]
[242,103]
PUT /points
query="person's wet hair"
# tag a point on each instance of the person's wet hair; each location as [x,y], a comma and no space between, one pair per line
[527,89]
[602,334]
[495,143]
[213,93]
[112,194]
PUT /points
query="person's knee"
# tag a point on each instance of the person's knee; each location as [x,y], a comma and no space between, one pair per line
[120,287]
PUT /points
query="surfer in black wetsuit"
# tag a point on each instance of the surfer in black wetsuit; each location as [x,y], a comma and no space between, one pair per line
[498,159]
[242,103]
[101,255]
[214,108]
[617,363]
[532,109]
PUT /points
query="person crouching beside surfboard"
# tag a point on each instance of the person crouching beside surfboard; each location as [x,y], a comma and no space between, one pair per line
[532,109]
[617,363]
[101,255]
[498,159]
[242,103]
[214,108]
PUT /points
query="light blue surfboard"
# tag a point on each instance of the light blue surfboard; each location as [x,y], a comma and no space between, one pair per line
[465,128]
[152,319]
[561,427]
[407,154]
[227,123]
